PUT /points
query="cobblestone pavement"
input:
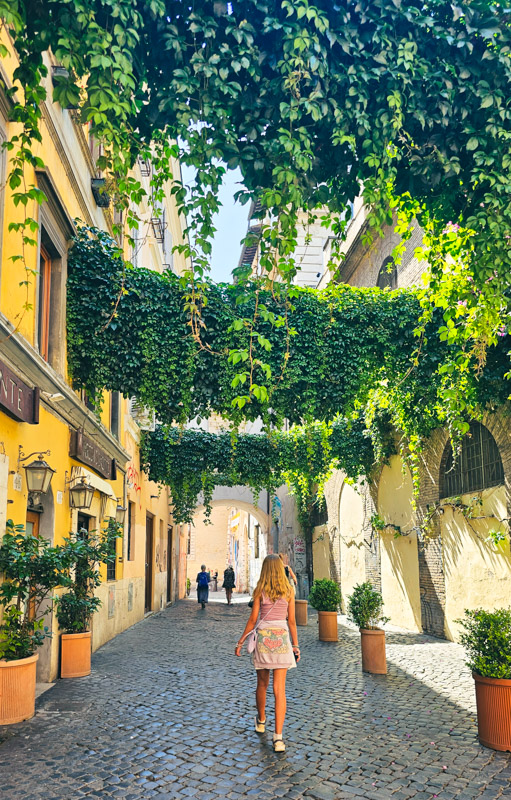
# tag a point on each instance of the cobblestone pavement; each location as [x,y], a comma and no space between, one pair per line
[168,713]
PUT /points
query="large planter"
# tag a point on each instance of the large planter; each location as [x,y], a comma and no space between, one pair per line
[75,653]
[493,698]
[17,689]
[301,612]
[372,643]
[327,621]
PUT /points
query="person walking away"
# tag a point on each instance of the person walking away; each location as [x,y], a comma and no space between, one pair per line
[272,623]
[289,572]
[203,586]
[229,583]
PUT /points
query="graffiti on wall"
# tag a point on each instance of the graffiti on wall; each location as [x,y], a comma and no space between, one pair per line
[134,482]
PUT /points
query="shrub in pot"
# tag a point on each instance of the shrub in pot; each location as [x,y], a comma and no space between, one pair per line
[31,570]
[365,609]
[325,597]
[487,641]
[77,606]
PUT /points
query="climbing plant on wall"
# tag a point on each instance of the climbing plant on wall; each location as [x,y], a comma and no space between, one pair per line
[315,102]
[192,462]
[353,353]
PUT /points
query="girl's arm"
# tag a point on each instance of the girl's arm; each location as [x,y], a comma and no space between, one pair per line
[252,621]
[291,621]
[293,576]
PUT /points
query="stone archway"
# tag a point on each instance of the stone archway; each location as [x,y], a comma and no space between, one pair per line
[237,534]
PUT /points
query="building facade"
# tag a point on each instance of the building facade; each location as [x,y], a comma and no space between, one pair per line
[41,415]
[443,562]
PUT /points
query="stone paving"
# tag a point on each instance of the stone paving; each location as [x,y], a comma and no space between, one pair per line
[168,713]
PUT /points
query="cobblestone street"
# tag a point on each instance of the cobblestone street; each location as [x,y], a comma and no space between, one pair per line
[168,713]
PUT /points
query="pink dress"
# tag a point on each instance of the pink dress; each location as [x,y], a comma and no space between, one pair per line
[273,648]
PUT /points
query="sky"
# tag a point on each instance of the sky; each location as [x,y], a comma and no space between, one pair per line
[231,223]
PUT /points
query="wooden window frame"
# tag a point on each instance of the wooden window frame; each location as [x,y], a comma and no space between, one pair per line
[44,309]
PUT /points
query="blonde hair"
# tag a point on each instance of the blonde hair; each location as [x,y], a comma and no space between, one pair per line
[273,581]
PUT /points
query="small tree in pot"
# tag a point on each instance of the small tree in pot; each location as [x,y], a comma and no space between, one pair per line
[365,610]
[487,640]
[325,597]
[77,606]
[31,569]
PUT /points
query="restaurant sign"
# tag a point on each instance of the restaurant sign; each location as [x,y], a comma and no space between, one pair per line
[88,452]
[16,398]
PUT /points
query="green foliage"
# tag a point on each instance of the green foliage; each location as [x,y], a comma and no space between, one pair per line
[325,595]
[487,640]
[76,607]
[192,462]
[31,569]
[365,607]
[316,103]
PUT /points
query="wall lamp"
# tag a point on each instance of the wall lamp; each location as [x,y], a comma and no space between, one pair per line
[120,512]
[38,473]
[80,494]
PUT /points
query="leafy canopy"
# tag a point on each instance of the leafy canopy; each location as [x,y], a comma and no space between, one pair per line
[407,103]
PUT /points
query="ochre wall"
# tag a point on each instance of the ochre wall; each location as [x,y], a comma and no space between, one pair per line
[321,552]
[399,556]
[477,573]
[208,543]
[352,547]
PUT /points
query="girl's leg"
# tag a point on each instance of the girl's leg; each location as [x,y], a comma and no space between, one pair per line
[279,690]
[263,679]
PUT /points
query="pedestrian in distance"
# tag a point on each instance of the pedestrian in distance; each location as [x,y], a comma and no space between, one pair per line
[273,641]
[289,572]
[203,586]
[229,583]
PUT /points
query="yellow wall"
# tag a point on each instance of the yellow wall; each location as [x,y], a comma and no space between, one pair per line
[321,552]
[477,573]
[352,547]
[399,556]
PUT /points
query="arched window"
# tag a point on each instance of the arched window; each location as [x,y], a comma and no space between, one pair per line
[477,467]
[387,276]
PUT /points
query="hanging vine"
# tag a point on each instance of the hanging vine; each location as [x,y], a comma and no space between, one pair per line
[407,104]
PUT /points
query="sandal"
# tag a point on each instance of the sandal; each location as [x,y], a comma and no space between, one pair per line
[259,726]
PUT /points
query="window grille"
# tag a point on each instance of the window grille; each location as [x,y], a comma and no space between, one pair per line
[478,465]
[387,276]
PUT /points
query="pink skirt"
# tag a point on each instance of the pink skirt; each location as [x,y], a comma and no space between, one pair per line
[273,648]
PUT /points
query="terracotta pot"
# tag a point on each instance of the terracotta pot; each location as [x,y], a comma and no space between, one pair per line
[75,653]
[493,698]
[327,626]
[372,643]
[301,612]
[17,690]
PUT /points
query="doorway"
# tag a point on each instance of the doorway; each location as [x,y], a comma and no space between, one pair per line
[149,526]
[169,564]
[32,528]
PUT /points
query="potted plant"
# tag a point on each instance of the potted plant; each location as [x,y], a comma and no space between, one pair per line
[188,586]
[365,610]
[487,640]
[325,597]
[31,570]
[77,606]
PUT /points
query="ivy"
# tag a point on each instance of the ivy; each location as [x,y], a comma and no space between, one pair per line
[353,354]
[316,103]
[192,462]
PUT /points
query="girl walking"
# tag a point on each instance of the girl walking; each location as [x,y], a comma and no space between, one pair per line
[276,648]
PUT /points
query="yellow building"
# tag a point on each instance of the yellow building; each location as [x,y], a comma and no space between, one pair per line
[40,413]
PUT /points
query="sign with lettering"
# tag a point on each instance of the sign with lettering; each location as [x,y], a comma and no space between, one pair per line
[88,452]
[16,398]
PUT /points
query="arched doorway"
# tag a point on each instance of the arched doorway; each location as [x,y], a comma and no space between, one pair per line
[237,534]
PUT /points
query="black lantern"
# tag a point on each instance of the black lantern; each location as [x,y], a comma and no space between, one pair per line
[119,513]
[39,475]
[81,494]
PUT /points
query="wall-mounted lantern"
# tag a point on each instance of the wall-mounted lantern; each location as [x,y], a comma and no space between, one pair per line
[119,513]
[81,494]
[38,474]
